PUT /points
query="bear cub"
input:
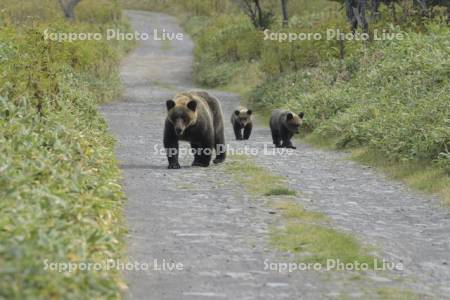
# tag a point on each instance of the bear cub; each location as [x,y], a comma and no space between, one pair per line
[195,117]
[241,119]
[284,124]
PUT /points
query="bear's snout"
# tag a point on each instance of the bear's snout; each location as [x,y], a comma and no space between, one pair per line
[178,131]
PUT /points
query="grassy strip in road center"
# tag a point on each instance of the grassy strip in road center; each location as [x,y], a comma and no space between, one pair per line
[307,234]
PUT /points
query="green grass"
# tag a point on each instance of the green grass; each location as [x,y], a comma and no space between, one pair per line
[280,192]
[391,293]
[61,199]
[255,179]
[311,237]
[292,211]
[420,175]
[305,233]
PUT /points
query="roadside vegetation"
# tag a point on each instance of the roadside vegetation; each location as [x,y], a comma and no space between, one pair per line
[59,183]
[386,99]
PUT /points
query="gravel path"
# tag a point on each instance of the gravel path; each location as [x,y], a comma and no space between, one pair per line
[200,218]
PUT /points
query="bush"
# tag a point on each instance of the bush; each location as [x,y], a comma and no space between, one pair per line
[59,184]
[394,100]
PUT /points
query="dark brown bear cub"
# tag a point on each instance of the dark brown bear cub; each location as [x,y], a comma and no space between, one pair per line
[241,119]
[284,124]
[195,117]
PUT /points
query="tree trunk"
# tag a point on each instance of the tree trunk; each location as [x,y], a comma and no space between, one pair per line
[362,13]
[448,14]
[422,5]
[284,10]
[259,12]
[350,10]
[374,9]
[68,8]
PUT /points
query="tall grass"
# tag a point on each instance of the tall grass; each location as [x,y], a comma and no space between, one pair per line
[60,197]
[393,99]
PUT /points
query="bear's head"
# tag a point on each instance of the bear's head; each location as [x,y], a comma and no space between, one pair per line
[293,121]
[243,116]
[182,113]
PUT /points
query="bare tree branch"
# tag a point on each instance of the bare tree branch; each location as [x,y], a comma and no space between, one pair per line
[284,10]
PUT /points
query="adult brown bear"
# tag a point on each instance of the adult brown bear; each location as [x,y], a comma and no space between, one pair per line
[195,117]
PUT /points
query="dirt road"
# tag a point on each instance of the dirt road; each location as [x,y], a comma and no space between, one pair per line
[199,218]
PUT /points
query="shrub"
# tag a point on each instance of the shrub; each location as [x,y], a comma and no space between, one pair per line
[59,191]
[394,99]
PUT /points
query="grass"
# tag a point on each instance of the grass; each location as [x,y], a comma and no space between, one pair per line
[311,237]
[392,293]
[420,175]
[61,199]
[166,45]
[293,211]
[282,191]
[305,233]
[255,179]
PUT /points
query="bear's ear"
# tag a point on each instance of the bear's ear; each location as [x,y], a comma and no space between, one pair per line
[289,116]
[301,115]
[192,105]
[170,104]
[237,113]
[249,112]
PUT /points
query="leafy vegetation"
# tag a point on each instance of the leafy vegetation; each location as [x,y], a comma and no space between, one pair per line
[399,109]
[60,197]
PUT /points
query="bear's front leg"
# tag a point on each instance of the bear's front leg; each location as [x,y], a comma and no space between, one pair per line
[286,138]
[276,139]
[288,145]
[248,131]
[171,145]
[237,132]
[202,155]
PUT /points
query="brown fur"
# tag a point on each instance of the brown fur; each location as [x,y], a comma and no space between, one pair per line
[195,117]
[242,122]
[283,125]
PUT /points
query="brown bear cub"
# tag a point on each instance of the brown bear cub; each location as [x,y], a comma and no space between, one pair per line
[195,117]
[284,124]
[241,119]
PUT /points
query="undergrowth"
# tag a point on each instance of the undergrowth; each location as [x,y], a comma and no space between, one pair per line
[61,201]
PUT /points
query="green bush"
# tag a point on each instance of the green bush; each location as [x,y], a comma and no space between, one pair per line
[59,183]
[394,99]
[222,46]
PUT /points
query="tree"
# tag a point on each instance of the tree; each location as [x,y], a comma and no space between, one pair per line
[356,14]
[424,6]
[356,9]
[68,8]
[284,10]
[261,19]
